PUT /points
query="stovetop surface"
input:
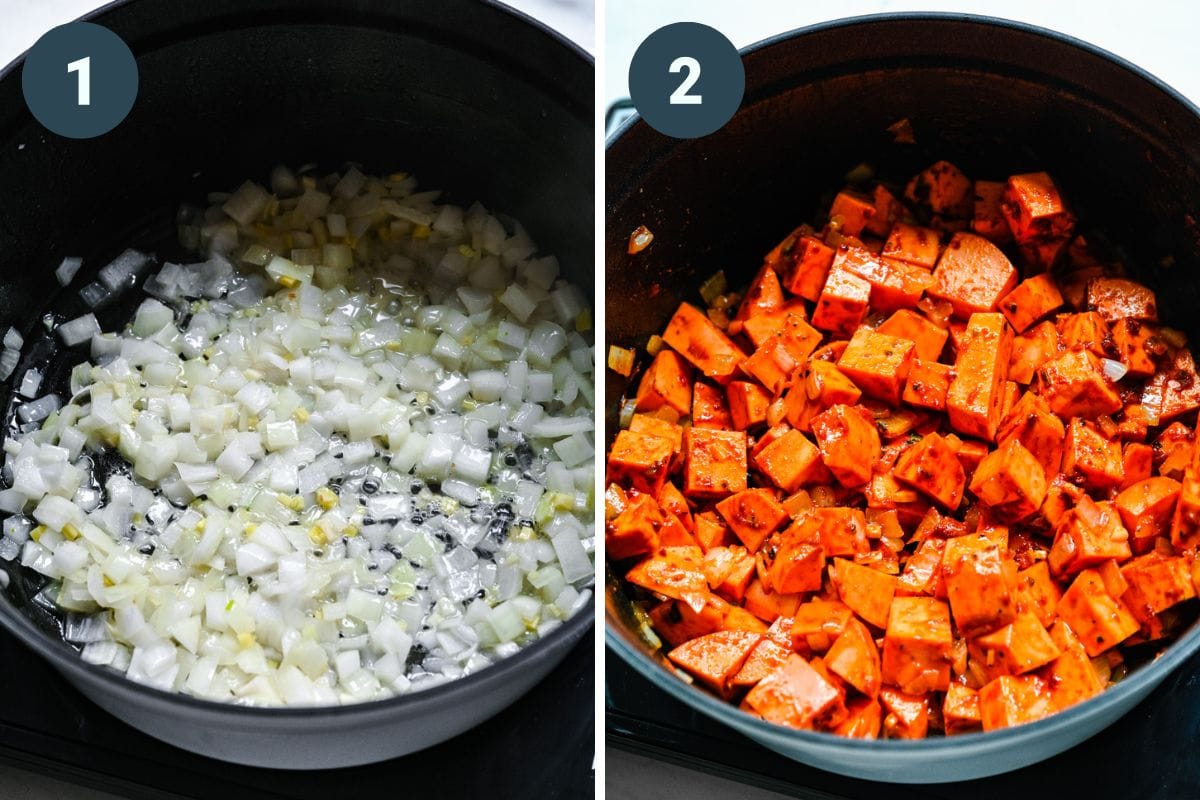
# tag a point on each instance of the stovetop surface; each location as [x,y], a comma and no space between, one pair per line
[543,747]
[1153,752]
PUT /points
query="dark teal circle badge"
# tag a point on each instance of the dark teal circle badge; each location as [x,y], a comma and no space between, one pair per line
[80,80]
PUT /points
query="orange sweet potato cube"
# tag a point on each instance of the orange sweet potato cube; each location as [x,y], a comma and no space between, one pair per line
[927,385]
[1086,536]
[908,324]
[675,572]
[931,467]
[868,592]
[923,571]
[1074,385]
[843,303]
[1146,507]
[1137,462]
[976,585]
[1091,457]
[1021,646]
[1121,299]
[666,382]
[1031,423]
[1035,210]
[849,443]
[912,244]
[1010,482]
[1031,350]
[972,274]
[671,499]
[1013,700]
[806,267]
[917,648]
[747,404]
[1175,388]
[790,461]
[1033,299]
[798,564]
[906,715]
[817,623]
[714,462]
[777,359]
[975,399]
[854,658]
[943,189]
[635,530]
[1135,343]
[1071,676]
[695,337]
[795,695]
[640,460]
[763,296]
[753,515]
[877,364]
[767,605]
[1099,620]
[711,531]
[960,710]
[766,657]
[1084,331]
[825,385]
[653,426]
[887,210]
[894,283]
[850,212]
[1156,583]
[716,657]
[864,716]
[1037,593]
[708,407]
[989,220]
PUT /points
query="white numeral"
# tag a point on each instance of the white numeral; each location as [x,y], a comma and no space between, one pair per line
[84,67]
[680,96]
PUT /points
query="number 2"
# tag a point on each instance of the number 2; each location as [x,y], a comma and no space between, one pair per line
[84,67]
[680,96]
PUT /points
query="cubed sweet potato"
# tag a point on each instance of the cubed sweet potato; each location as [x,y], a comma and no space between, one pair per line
[753,515]
[864,716]
[906,715]
[960,710]
[989,220]
[917,646]
[1010,482]
[1035,210]
[766,657]
[1074,385]
[1031,423]
[894,283]
[974,401]
[1146,507]
[1136,346]
[675,572]
[711,531]
[798,565]
[1089,458]
[855,659]
[1031,350]
[976,585]
[1084,331]
[790,318]
[841,531]
[747,404]
[887,210]
[1013,700]
[640,460]
[714,462]
[843,303]
[1087,535]
[806,266]
[695,337]
[824,385]
[850,212]
[817,623]
[868,592]
[912,244]
[708,407]
[1121,299]
[877,364]
[666,382]
[931,467]
[1021,646]
[1156,583]
[1071,676]
[715,658]
[927,385]
[943,189]
[908,324]
[972,274]
[778,358]
[795,695]
[1099,621]
[1174,389]
[1033,299]
[923,571]
[635,530]
[849,443]
[763,296]
[671,499]
[1037,593]
[789,461]
[678,622]
[767,605]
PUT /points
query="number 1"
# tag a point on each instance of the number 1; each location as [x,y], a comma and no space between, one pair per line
[84,67]
[680,96]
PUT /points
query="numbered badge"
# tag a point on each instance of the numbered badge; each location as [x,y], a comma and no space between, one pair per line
[80,80]
[686,80]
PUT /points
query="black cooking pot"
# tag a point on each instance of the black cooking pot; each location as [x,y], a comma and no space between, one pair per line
[469,96]
[994,97]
